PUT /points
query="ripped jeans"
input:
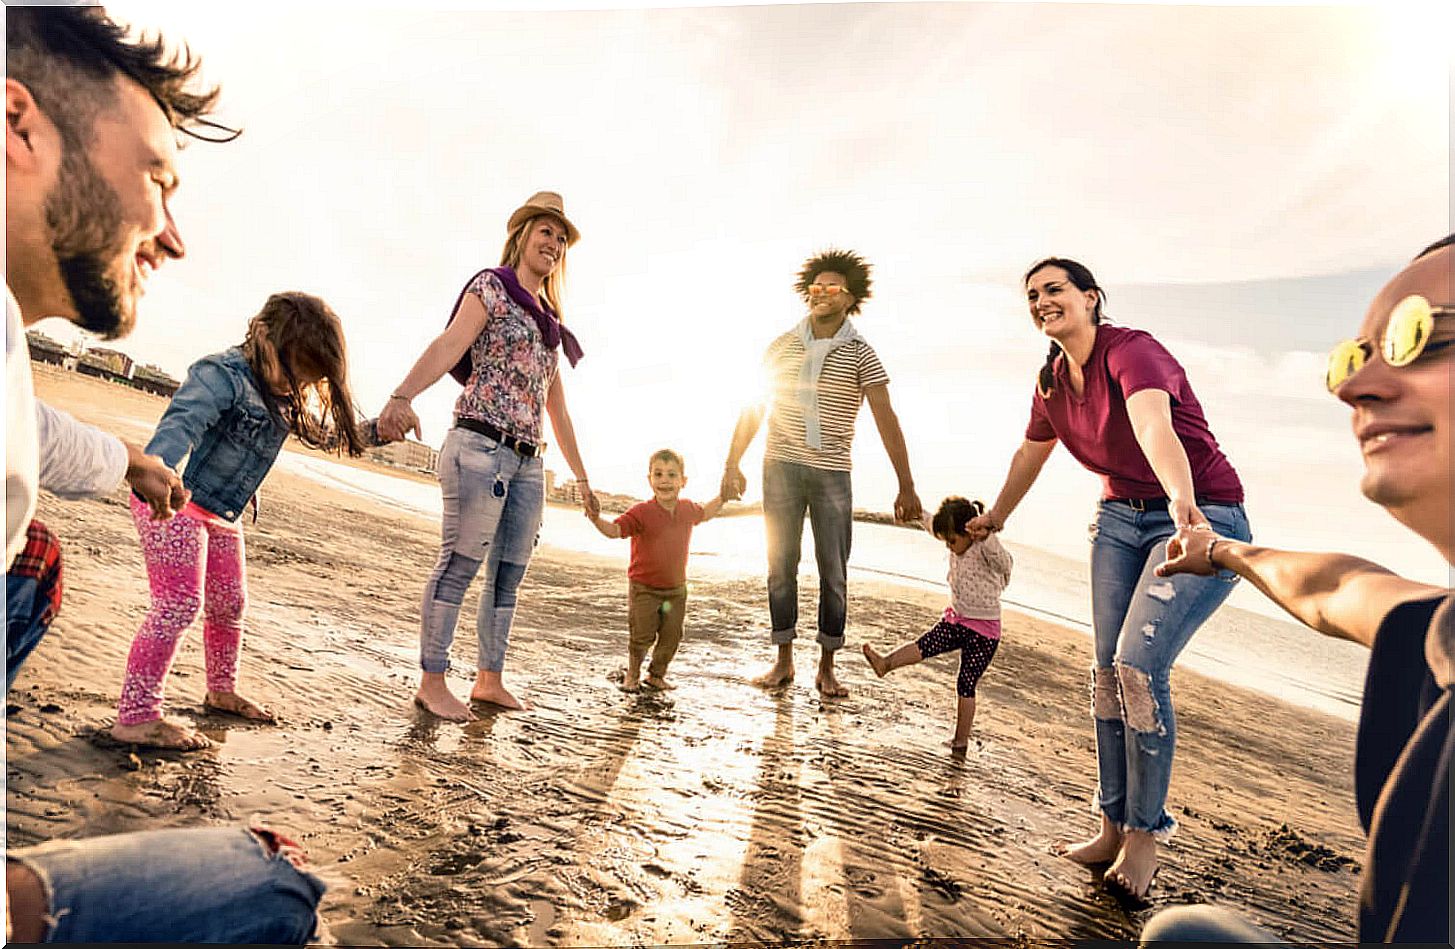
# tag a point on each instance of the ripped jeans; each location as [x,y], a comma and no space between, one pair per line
[493,502]
[1141,623]
[210,885]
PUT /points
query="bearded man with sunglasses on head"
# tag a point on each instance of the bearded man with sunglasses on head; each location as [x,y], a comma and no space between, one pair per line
[819,373]
[92,117]
[1396,377]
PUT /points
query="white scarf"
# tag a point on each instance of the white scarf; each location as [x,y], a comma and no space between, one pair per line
[815,351]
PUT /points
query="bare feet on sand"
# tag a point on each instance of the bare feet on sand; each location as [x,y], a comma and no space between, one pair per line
[776,677]
[630,682]
[1135,866]
[828,686]
[230,703]
[880,664]
[658,682]
[1096,852]
[489,688]
[160,733]
[435,697]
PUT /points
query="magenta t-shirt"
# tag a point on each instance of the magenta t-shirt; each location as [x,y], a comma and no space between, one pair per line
[1096,430]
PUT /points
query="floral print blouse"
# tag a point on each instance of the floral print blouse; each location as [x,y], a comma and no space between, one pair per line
[512,368]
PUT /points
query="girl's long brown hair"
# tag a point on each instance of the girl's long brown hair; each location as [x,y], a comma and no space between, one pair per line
[297,332]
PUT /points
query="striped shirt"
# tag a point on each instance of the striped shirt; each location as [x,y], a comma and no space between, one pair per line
[847,372]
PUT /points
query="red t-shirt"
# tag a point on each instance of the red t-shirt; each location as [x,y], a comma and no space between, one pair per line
[659,541]
[1096,430]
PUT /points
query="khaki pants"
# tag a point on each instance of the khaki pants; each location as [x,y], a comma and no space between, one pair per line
[654,617]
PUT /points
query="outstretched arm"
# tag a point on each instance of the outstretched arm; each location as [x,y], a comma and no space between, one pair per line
[1025,467]
[733,481]
[566,438]
[711,508]
[607,528]
[1150,412]
[1336,594]
[906,505]
[398,418]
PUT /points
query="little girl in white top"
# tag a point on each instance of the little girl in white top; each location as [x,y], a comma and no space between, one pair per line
[979,572]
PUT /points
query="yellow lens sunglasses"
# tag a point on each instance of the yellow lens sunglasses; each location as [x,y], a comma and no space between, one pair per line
[1406,337]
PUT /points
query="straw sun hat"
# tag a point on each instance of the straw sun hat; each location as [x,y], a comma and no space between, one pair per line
[544,202]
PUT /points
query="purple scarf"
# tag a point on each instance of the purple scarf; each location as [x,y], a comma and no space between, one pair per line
[552,332]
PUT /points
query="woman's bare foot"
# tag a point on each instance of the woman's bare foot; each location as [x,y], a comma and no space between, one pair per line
[1135,866]
[878,663]
[776,677]
[489,688]
[231,703]
[160,733]
[1098,851]
[659,683]
[435,697]
[630,681]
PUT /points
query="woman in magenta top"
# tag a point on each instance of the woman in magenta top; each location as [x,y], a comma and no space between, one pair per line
[1122,405]
[503,344]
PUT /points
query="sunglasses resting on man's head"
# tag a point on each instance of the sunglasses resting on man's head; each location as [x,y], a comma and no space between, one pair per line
[1405,338]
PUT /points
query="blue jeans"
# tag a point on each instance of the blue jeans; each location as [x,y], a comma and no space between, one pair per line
[1203,924]
[1141,624]
[26,622]
[493,502]
[215,884]
[790,490]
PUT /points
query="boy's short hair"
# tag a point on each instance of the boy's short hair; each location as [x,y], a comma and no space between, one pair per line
[667,454]
[954,513]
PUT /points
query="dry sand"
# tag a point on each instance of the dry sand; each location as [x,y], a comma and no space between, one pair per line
[715,813]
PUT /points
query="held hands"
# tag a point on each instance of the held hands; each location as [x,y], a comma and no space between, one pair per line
[907,508]
[157,484]
[1190,551]
[590,506]
[983,525]
[398,419]
[734,483]
[1184,513]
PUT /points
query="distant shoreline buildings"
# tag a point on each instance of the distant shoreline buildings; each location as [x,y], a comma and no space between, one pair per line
[109,364]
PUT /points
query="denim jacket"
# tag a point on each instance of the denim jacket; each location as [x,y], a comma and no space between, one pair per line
[218,415]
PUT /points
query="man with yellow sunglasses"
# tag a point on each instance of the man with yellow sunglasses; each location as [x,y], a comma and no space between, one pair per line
[1401,396]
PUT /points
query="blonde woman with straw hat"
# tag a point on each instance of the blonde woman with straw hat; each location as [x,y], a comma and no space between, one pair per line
[503,344]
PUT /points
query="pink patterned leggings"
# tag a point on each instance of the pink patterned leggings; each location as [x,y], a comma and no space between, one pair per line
[192,560]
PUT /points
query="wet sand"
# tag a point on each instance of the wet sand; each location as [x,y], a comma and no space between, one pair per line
[713,813]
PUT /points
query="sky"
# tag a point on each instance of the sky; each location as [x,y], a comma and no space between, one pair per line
[1242,179]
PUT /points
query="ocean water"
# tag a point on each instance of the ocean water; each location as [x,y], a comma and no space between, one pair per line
[1276,657]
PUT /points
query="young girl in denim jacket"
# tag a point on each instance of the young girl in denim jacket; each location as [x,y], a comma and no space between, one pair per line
[231,415]
[979,572]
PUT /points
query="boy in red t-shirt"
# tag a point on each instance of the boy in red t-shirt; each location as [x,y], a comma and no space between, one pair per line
[660,530]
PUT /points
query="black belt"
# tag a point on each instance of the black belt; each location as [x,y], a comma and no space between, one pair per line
[509,441]
[1158,504]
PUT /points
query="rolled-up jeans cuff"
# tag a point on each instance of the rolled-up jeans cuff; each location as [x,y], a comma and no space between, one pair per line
[434,666]
[782,637]
[214,884]
[831,643]
[1161,833]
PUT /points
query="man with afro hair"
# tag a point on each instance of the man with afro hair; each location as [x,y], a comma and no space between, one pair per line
[818,374]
